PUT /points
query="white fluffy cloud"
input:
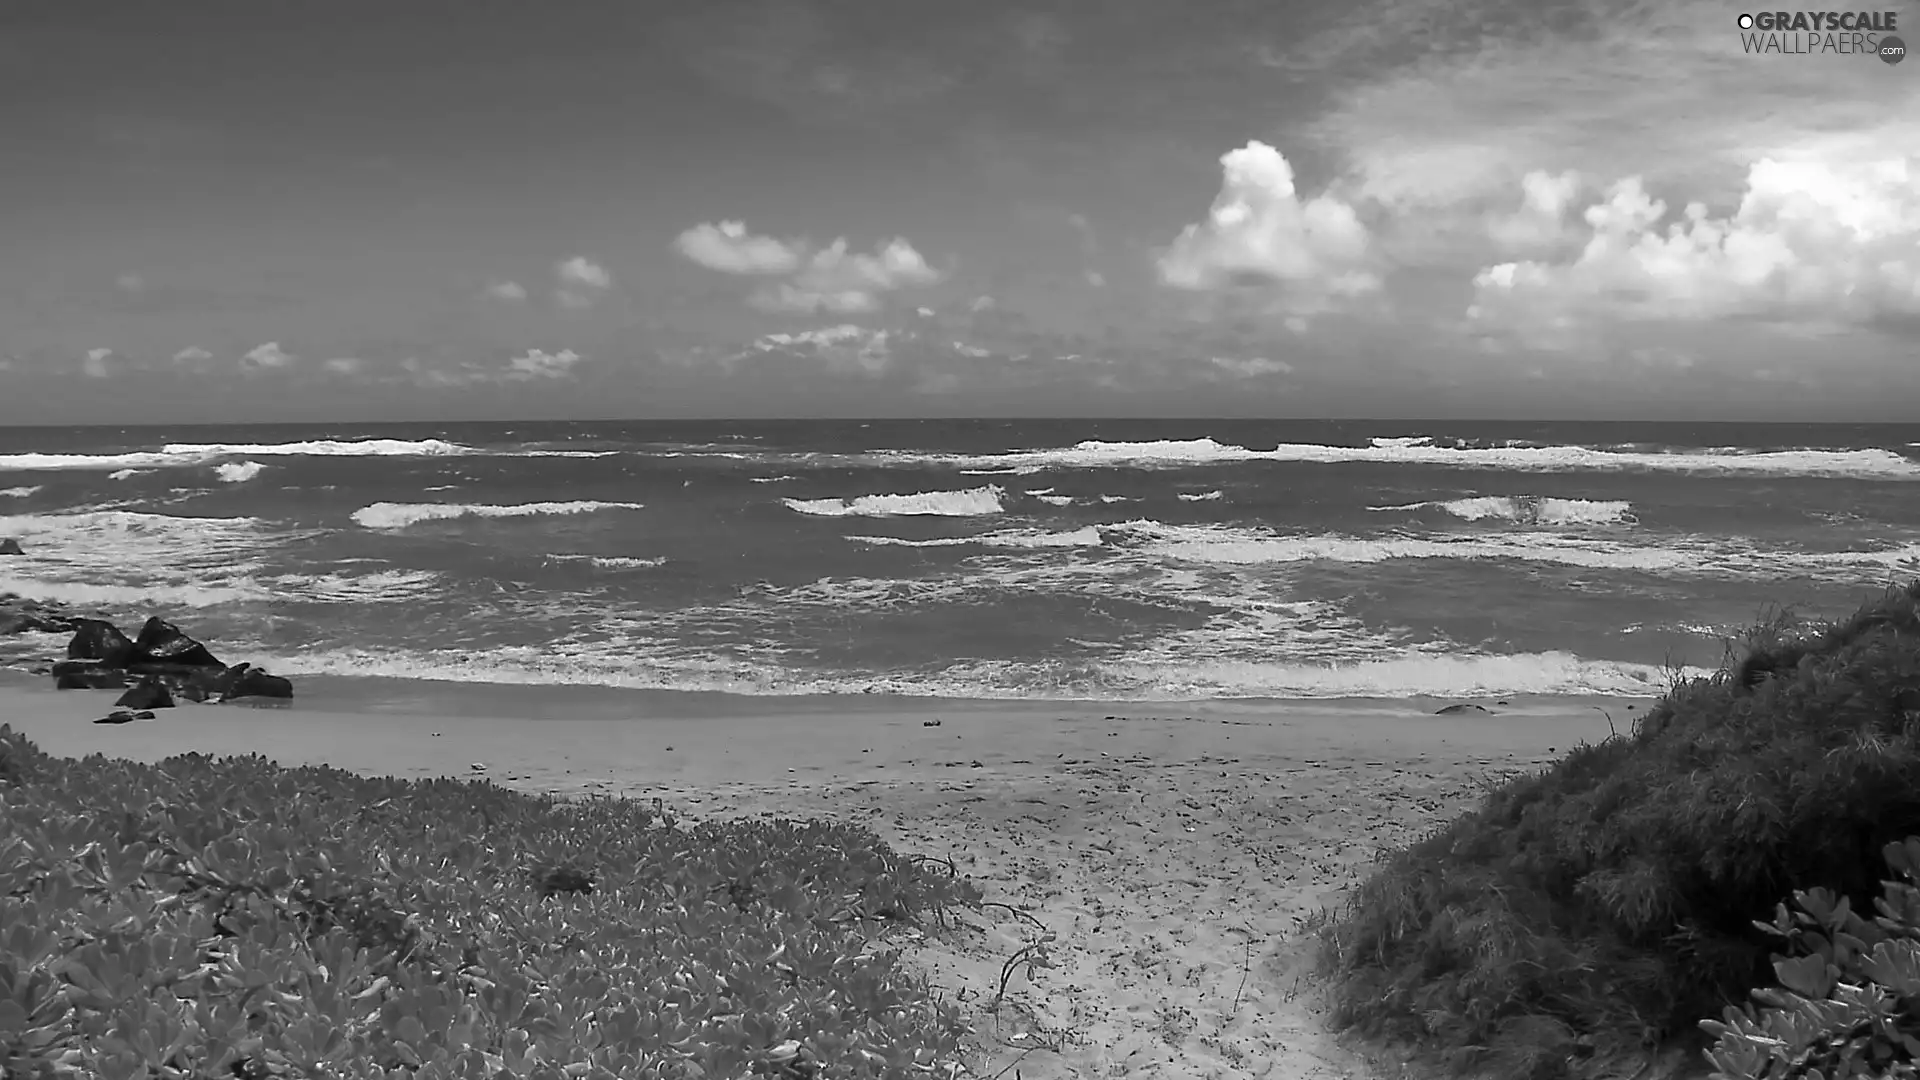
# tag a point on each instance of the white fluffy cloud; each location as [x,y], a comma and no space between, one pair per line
[1260,230]
[192,354]
[582,281]
[269,355]
[831,279]
[345,365]
[507,290]
[94,363]
[1812,242]
[537,364]
[1541,221]
[730,249]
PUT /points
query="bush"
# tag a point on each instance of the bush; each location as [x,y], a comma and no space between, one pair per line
[1595,910]
[233,918]
[1848,1004]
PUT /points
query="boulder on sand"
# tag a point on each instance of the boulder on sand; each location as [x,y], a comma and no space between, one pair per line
[148,693]
[162,642]
[245,680]
[98,639]
[10,546]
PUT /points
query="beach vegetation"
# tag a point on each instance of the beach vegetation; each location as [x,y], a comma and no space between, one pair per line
[1582,920]
[231,918]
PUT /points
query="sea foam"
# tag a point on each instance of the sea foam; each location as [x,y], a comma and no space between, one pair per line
[234,472]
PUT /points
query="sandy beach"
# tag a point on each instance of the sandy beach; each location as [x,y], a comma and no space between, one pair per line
[1172,851]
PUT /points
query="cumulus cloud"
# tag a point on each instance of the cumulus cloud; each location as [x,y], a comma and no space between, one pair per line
[346,365]
[537,364]
[1541,221]
[730,249]
[832,279]
[192,354]
[1812,242]
[507,290]
[269,355]
[581,270]
[94,363]
[1259,231]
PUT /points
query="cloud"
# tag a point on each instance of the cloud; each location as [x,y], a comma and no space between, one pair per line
[1812,243]
[1259,231]
[1459,98]
[582,281]
[581,270]
[1251,367]
[94,363]
[346,365]
[1541,221]
[192,354]
[132,283]
[831,279]
[507,290]
[269,355]
[730,249]
[537,364]
[846,348]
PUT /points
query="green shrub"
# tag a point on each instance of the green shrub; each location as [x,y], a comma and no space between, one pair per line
[1848,1004]
[233,918]
[1595,910]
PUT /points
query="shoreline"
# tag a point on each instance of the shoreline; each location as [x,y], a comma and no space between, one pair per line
[1174,852]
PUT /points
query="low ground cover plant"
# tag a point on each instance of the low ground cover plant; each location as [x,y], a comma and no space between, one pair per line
[210,918]
[1589,914]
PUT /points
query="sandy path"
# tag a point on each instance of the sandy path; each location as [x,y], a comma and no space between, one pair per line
[1172,857]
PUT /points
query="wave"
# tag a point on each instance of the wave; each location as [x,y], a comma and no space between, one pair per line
[125,474]
[173,454]
[20,492]
[1118,498]
[770,479]
[1056,500]
[1530,510]
[380,586]
[612,562]
[234,472]
[115,596]
[320,448]
[386,515]
[1436,676]
[1861,464]
[1026,538]
[1202,496]
[969,503]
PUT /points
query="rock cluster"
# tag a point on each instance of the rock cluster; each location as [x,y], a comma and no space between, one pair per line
[156,665]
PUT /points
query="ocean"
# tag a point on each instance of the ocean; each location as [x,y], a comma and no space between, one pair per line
[1048,560]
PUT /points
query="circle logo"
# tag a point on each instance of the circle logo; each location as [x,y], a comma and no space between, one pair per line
[1892,49]
[1745,21]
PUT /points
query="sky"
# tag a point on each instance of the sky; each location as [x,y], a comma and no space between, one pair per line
[470,209]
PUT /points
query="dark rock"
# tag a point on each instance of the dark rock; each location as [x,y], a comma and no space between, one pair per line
[1452,709]
[98,679]
[97,639]
[144,714]
[78,667]
[149,693]
[249,681]
[161,641]
[10,546]
[118,716]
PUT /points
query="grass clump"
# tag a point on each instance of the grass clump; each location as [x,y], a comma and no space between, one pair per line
[1587,915]
[231,918]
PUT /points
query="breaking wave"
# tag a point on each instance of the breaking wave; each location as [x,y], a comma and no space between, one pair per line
[386,515]
[1529,510]
[234,472]
[969,503]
